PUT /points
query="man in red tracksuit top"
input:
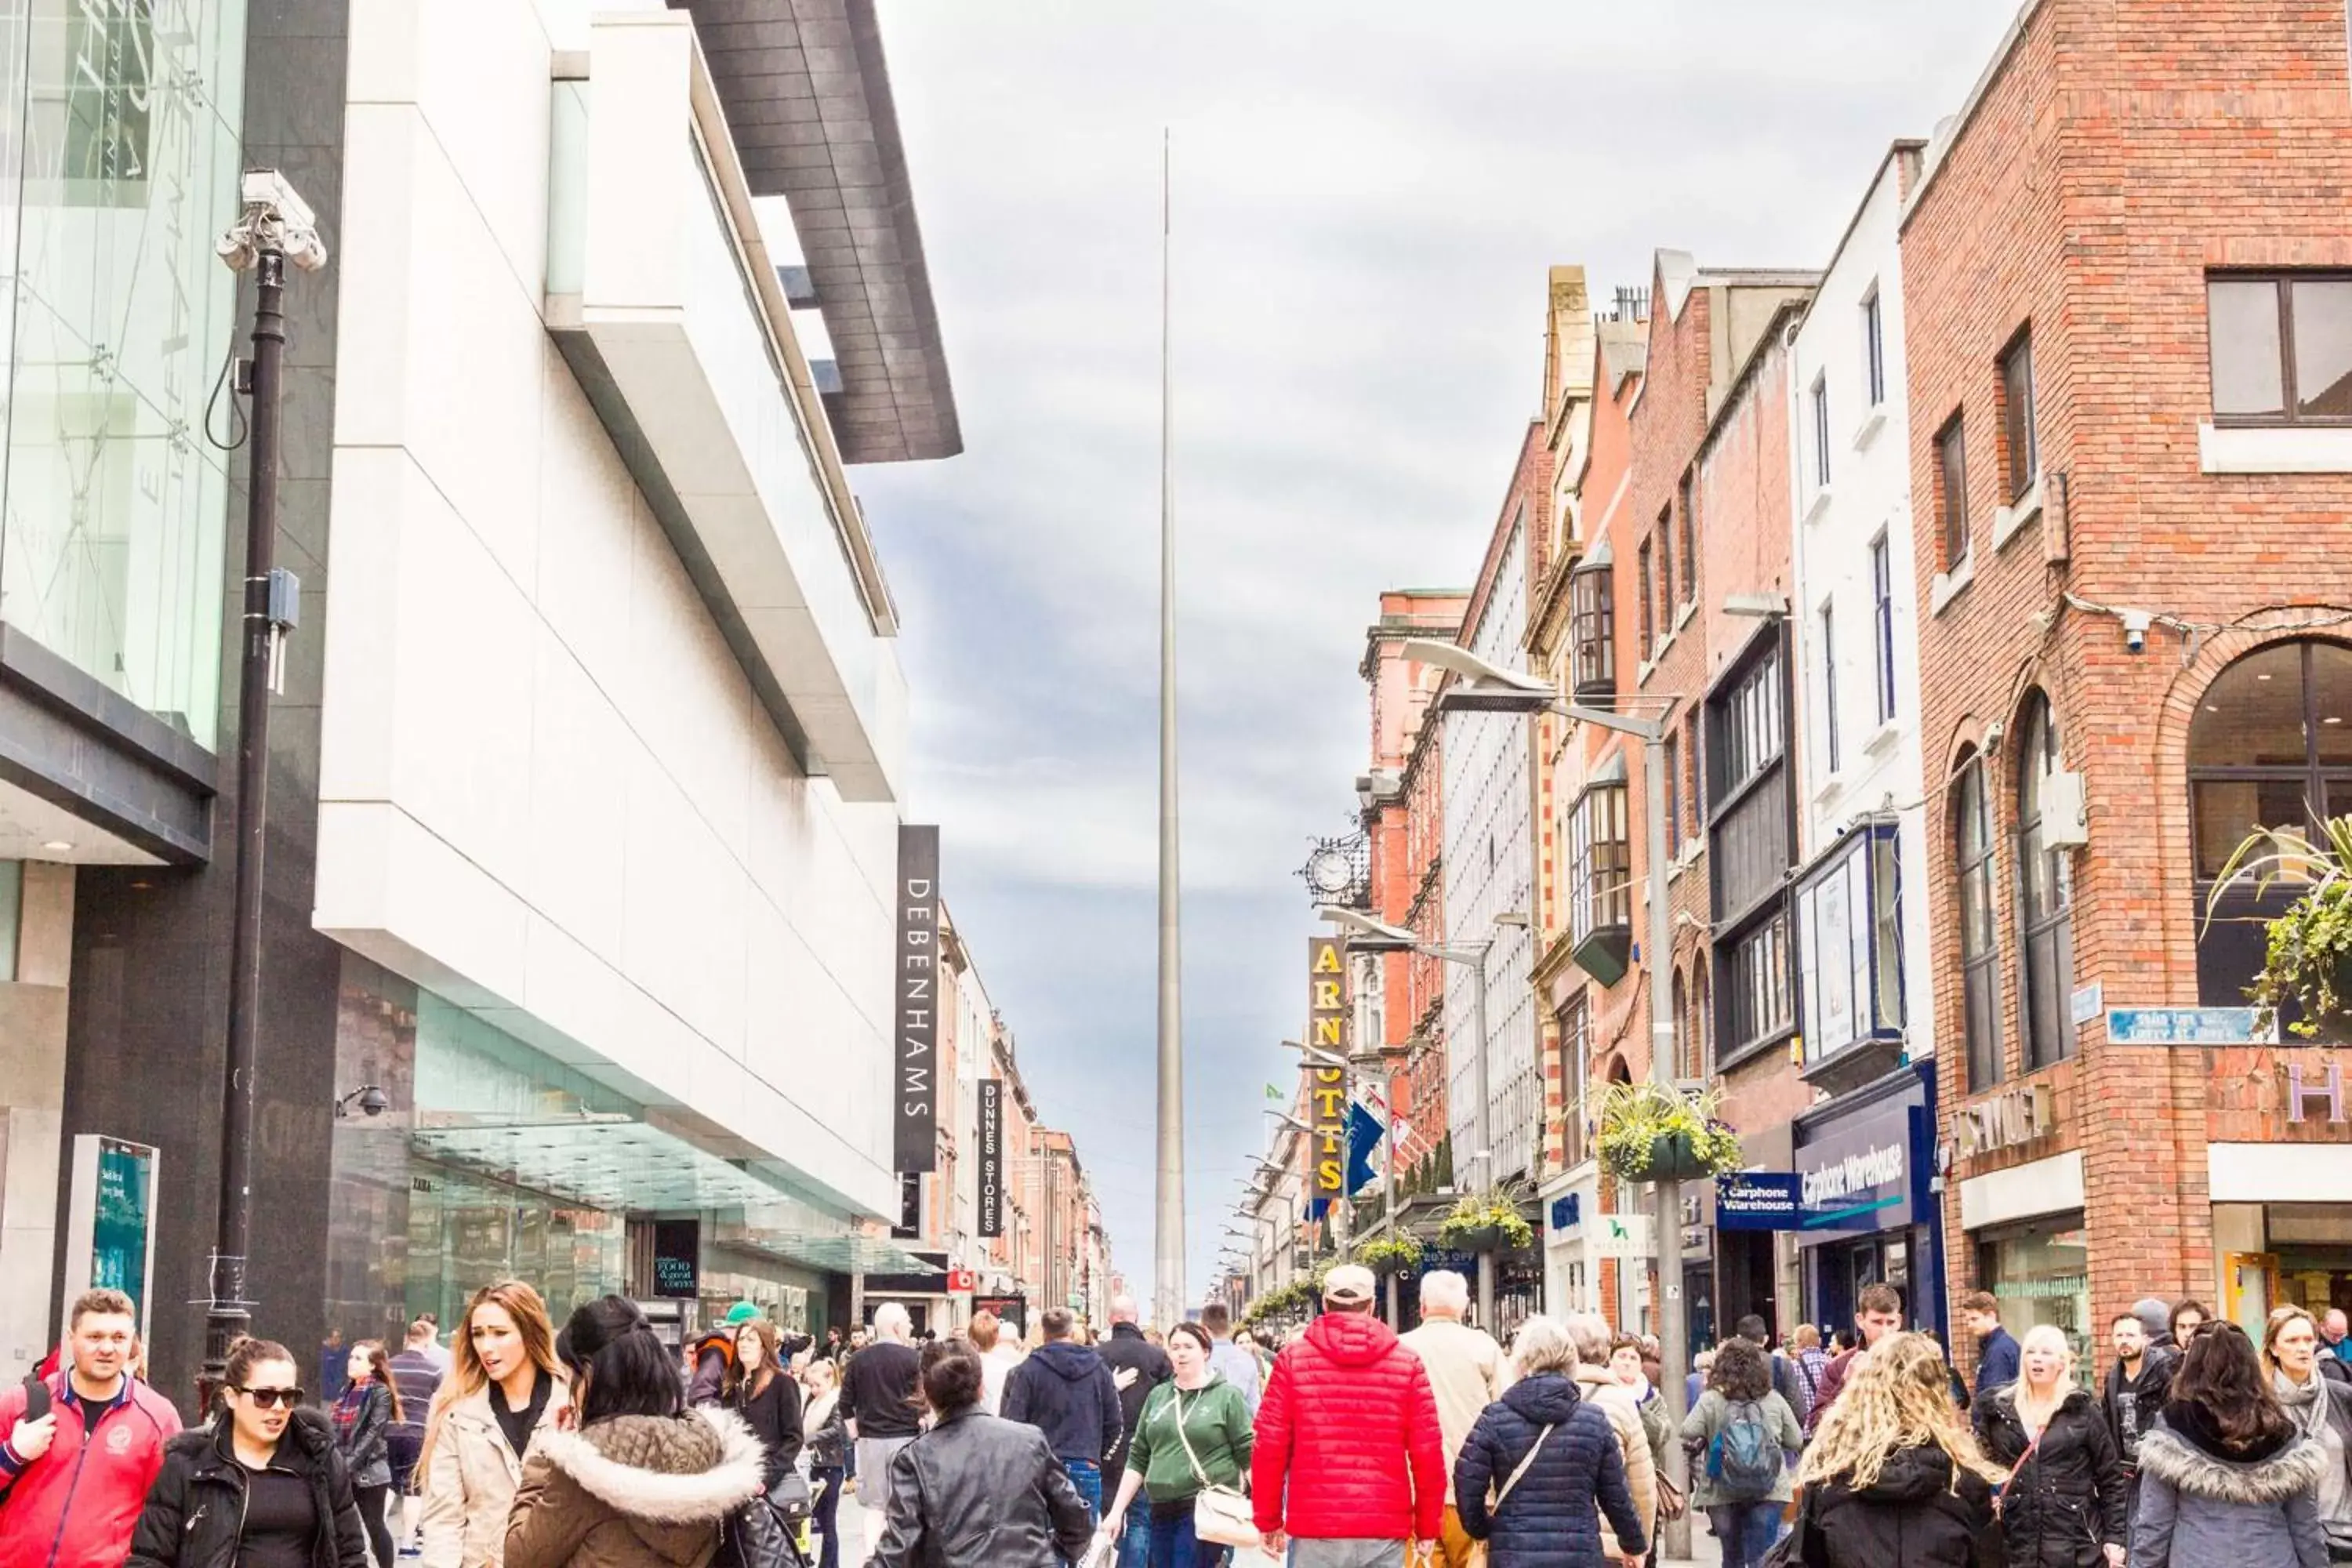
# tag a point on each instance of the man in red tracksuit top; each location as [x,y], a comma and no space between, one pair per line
[77,1476]
[1348,1461]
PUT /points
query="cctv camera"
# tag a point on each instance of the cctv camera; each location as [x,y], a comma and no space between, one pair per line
[2136,626]
[374,1102]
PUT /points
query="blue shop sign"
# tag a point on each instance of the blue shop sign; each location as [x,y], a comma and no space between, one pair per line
[1759,1200]
[1867,1170]
[1566,1212]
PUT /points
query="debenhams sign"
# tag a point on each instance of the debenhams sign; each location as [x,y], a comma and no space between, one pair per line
[915,1071]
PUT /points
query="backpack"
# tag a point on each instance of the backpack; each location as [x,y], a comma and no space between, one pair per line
[1744,1458]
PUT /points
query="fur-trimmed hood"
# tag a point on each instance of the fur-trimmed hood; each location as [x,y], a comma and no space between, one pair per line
[663,1482]
[2172,1458]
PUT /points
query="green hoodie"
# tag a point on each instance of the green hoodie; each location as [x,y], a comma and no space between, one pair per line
[1216,1421]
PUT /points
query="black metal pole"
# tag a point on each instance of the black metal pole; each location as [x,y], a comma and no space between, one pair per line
[229,1312]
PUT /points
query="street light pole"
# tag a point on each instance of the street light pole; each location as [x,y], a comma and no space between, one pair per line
[274,226]
[1484,1153]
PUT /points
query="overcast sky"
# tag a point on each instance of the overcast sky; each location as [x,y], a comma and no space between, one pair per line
[1367,197]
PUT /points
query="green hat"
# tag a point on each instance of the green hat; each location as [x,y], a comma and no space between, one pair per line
[741,1312]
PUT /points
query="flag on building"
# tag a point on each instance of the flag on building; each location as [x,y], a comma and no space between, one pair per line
[1276,1096]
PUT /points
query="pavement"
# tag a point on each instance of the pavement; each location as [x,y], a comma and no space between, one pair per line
[1705,1554]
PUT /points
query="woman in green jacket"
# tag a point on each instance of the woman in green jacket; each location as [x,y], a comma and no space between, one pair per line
[1194,1432]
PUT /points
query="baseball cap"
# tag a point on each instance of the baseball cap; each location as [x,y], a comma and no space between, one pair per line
[741,1312]
[1348,1285]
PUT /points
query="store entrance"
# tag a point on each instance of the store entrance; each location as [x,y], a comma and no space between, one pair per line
[1844,1269]
[2312,1243]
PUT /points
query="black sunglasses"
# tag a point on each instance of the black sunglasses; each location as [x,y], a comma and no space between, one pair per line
[269,1398]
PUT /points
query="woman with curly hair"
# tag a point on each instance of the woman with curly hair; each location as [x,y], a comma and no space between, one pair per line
[1895,1475]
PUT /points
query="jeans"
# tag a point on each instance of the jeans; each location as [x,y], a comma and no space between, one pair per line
[1087,1475]
[1134,1541]
[828,1508]
[1747,1530]
[1173,1546]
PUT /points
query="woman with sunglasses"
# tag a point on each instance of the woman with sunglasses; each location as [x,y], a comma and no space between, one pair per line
[262,1487]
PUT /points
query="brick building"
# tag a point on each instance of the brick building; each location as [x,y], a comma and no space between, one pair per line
[2130,378]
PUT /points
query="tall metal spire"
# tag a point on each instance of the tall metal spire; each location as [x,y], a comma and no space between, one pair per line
[1167,1249]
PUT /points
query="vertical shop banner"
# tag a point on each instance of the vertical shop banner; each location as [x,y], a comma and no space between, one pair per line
[915,1080]
[992,1157]
[111,1220]
[677,1259]
[1327,1087]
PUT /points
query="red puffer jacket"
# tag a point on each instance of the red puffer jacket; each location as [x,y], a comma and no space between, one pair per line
[1348,1422]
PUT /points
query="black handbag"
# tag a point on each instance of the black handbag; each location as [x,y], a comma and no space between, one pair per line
[755,1536]
[790,1499]
[1803,1547]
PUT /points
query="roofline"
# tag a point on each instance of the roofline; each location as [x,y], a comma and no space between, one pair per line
[1774,329]
[1895,150]
[1941,150]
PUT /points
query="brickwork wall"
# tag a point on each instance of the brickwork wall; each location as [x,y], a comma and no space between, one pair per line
[2126,147]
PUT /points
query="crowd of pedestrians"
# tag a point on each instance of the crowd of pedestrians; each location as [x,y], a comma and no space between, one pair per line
[600,1447]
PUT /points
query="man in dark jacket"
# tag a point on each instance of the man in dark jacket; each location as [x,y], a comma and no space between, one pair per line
[1137,1366]
[1066,1392]
[1996,1347]
[2137,1387]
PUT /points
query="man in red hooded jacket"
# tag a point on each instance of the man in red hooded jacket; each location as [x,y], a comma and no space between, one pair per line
[77,1475]
[1348,1461]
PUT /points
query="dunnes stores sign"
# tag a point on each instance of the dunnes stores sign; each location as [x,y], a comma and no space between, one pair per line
[915,1080]
[1327,1087]
[992,1157]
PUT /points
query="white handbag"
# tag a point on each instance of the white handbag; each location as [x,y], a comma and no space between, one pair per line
[1222,1516]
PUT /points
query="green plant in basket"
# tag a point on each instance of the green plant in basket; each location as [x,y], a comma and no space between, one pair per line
[1483,1222]
[1652,1131]
[1390,1255]
[2307,949]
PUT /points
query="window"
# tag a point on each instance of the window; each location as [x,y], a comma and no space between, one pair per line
[1683,1067]
[1882,615]
[1829,688]
[1691,766]
[1645,580]
[1576,1067]
[2045,897]
[1849,930]
[1702,1021]
[1748,728]
[1673,764]
[1874,347]
[1952,493]
[1665,537]
[2019,452]
[1821,431]
[2269,746]
[2281,347]
[1599,864]
[1980,959]
[1687,521]
[1755,999]
[1593,633]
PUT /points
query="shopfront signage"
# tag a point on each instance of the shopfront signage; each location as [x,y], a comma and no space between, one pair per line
[962,1282]
[677,1258]
[1861,1171]
[1327,1087]
[2326,1087]
[2003,1121]
[1567,1211]
[1621,1236]
[910,1207]
[916,1140]
[2188,1026]
[1759,1200]
[992,1157]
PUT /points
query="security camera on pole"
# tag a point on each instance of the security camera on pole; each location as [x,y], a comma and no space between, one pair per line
[1485,687]
[274,227]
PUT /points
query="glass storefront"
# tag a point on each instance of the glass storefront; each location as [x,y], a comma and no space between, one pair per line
[2041,1271]
[119,164]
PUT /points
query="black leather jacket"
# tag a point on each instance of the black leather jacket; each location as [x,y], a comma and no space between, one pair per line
[2067,1502]
[196,1507]
[979,1491]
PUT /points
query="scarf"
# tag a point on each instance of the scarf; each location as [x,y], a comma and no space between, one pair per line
[818,1412]
[2308,1407]
[347,1411]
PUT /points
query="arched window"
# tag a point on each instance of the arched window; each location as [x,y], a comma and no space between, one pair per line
[1682,1028]
[1979,955]
[1702,1020]
[2270,746]
[2045,903]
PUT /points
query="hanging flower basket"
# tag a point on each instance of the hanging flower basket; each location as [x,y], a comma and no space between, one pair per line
[1390,1255]
[1649,1132]
[1491,1223]
[2307,951]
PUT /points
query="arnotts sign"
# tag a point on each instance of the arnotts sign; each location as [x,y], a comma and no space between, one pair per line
[1327,1087]
[914,1077]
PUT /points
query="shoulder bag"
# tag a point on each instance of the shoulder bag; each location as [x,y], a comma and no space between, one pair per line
[1521,1468]
[1221,1515]
[1803,1547]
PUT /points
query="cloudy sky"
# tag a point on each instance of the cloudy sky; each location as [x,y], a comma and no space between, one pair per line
[1367,197]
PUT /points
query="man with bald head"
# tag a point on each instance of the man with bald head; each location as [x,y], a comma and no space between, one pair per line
[1137,1367]
[1466,1372]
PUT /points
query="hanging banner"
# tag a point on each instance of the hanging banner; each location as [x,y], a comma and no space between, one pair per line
[992,1157]
[915,1082]
[1327,1087]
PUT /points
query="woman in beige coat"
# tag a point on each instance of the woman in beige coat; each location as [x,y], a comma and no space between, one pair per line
[503,1391]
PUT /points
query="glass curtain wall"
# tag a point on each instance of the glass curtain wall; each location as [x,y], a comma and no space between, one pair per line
[119,159]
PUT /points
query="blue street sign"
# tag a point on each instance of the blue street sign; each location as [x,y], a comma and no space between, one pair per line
[2187,1026]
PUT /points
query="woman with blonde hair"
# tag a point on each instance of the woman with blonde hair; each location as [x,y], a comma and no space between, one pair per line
[504,1387]
[1893,1475]
[2065,1506]
[2322,1409]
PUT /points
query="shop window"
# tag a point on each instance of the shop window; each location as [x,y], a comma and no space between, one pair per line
[1686,523]
[2041,1273]
[2270,746]
[1592,635]
[2020,454]
[2281,347]
[1980,954]
[2045,905]
[1599,885]
[1952,491]
[1849,928]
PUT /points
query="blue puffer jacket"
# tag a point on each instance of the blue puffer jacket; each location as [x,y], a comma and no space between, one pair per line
[1550,1519]
[1066,1392]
